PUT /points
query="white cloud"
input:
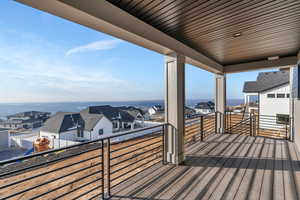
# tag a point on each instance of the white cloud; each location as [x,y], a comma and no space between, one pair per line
[34,71]
[95,46]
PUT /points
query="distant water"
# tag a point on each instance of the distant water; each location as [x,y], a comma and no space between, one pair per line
[12,108]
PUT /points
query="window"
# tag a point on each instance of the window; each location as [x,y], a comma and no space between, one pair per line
[79,132]
[287,95]
[282,119]
[115,125]
[280,95]
[271,95]
[100,132]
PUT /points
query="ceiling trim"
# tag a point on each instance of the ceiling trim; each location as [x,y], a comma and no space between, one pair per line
[105,17]
[263,64]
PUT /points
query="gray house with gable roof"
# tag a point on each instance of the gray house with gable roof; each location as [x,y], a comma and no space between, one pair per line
[76,126]
[273,93]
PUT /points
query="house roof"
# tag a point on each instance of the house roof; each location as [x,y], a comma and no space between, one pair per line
[189,110]
[62,121]
[266,81]
[158,108]
[28,114]
[133,111]
[90,120]
[112,113]
[205,105]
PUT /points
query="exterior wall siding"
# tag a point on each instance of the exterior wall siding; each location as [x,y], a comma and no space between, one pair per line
[4,140]
[104,124]
[273,106]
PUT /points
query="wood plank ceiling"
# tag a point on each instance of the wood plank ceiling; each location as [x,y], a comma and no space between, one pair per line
[228,31]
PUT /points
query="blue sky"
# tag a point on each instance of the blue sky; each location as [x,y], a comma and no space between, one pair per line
[44,58]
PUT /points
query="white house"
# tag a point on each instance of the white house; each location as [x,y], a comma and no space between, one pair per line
[120,118]
[95,125]
[205,107]
[155,110]
[64,126]
[272,90]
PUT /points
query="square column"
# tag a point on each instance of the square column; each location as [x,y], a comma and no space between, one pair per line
[220,102]
[295,103]
[174,108]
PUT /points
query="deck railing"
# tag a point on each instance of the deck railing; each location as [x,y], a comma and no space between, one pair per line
[91,169]
[257,125]
[82,171]
[199,127]
[129,157]
[271,126]
[69,172]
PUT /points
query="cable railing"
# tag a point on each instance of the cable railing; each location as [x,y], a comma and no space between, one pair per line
[62,173]
[258,125]
[83,171]
[129,157]
[199,127]
[91,169]
[271,126]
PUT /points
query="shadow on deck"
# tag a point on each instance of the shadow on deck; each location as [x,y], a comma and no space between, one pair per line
[223,167]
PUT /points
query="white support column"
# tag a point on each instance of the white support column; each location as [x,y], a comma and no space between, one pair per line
[220,102]
[295,103]
[174,107]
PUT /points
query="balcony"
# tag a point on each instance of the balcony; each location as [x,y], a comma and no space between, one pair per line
[214,157]
[132,165]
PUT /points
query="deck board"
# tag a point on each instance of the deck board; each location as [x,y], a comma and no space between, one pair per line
[266,191]
[214,159]
[222,167]
[248,172]
[257,175]
[278,172]
[231,170]
[234,184]
[295,167]
[288,172]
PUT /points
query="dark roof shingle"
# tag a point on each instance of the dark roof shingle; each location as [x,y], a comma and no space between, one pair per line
[112,113]
[63,121]
[266,81]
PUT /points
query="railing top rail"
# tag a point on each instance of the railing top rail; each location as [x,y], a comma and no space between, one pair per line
[20,158]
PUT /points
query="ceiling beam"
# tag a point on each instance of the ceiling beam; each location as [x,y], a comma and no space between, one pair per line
[102,16]
[263,64]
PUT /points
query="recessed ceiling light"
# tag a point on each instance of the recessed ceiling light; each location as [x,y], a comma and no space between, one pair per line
[237,34]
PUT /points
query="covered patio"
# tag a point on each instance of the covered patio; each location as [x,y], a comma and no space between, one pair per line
[218,36]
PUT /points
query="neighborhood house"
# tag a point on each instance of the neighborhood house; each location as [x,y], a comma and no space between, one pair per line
[205,107]
[273,94]
[25,120]
[156,110]
[90,123]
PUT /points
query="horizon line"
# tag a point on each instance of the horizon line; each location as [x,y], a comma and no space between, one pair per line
[114,101]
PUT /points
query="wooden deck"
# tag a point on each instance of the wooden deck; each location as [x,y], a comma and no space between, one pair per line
[223,167]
